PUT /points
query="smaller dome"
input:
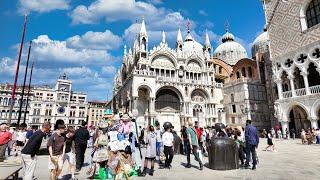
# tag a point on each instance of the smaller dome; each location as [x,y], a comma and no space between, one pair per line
[227,37]
[260,44]
[230,51]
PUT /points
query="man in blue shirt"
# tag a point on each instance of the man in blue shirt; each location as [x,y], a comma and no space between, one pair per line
[252,141]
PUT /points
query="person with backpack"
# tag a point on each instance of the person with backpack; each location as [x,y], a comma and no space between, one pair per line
[192,144]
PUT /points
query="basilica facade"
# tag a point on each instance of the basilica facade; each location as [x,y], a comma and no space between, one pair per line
[193,82]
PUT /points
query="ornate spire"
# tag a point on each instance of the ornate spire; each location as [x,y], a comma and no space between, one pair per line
[207,40]
[143,30]
[179,36]
[163,37]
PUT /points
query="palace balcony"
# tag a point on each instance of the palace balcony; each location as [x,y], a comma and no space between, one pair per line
[302,92]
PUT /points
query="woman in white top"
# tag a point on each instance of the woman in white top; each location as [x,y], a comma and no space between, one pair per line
[20,139]
[167,140]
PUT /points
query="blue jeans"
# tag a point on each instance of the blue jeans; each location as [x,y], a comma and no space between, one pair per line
[318,139]
[158,146]
[251,150]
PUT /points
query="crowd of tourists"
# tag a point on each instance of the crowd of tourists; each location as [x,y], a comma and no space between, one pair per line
[119,148]
[309,136]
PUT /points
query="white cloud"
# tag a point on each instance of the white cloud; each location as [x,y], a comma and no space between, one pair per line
[202,12]
[41,6]
[112,10]
[45,49]
[95,40]
[155,2]
[108,70]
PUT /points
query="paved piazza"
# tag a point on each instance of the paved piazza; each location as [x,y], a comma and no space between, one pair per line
[292,161]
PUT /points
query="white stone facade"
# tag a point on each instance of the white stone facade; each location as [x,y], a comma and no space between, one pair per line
[164,84]
[48,104]
[189,83]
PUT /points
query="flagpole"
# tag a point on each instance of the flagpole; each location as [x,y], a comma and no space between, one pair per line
[24,84]
[29,86]
[17,71]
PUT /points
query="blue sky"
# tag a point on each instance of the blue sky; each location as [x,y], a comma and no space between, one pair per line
[85,38]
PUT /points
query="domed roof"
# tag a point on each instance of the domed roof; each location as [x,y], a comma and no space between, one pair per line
[230,51]
[190,45]
[227,37]
[261,44]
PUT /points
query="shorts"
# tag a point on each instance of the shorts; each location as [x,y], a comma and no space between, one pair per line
[70,158]
[150,158]
[270,143]
[19,143]
[56,162]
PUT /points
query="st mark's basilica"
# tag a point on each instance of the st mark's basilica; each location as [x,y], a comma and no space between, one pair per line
[277,84]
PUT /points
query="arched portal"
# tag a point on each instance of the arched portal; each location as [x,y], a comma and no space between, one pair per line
[169,99]
[199,95]
[168,105]
[298,119]
[298,79]
[313,75]
[285,82]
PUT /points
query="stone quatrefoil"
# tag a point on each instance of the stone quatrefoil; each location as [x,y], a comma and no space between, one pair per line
[316,53]
[302,58]
[288,62]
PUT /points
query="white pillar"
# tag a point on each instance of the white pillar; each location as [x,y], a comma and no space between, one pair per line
[306,82]
[314,122]
[291,78]
[279,87]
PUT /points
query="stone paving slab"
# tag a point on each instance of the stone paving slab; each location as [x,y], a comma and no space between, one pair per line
[293,161]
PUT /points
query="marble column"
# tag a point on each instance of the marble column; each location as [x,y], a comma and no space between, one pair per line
[291,78]
[279,87]
[306,82]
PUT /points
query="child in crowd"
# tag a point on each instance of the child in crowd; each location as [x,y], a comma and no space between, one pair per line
[151,152]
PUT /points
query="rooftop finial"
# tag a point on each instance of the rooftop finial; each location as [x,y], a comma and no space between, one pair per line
[227,26]
[188,25]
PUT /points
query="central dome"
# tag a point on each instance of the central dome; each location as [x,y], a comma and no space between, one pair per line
[190,45]
[230,51]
